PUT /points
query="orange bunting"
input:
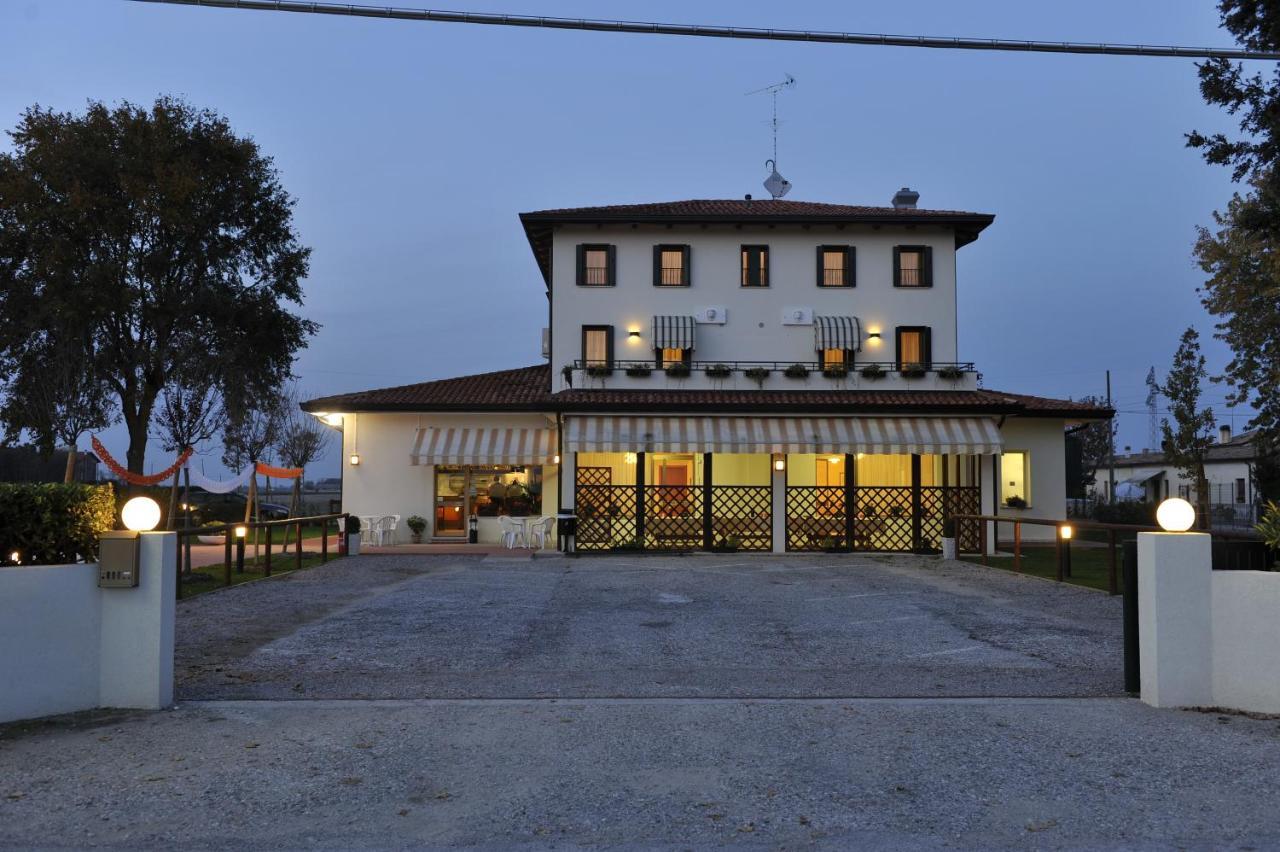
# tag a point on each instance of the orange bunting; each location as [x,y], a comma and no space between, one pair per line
[279,472]
[138,478]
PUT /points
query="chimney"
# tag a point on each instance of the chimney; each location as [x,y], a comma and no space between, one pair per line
[1224,434]
[905,199]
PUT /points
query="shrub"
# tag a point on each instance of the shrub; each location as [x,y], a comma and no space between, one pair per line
[719,371]
[1269,526]
[873,371]
[951,374]
[796,371]
[677,370]
[416,524]
[353,525]
[54,523]
[757,374]
[913,371]
[1014,501]
[639,372]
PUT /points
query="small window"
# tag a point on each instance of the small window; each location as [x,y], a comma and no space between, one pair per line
[596,266]
[1015,479]
[755,266]
[597,345]
[836,358]
[1241,490]
[914,347]
[835,266]
[912,266]
[1184,491]
[671,266]
[668,356]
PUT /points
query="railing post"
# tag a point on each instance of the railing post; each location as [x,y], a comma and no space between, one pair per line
[1061,575]
[266,565]
[1112,580]
[1017,545]
[324,541]
[708,534]
[982,541]
[228,533]
[297,549]
[240,551]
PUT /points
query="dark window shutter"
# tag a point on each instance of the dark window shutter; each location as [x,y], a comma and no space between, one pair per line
[686,253]
[762,266]
[657,266]
[926,266]
[612,272]
[582,264]
[822,275]
[897,266]
[926,343]
[850,275]
[608,345]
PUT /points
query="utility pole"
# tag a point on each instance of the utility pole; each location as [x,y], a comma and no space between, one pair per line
[1111,448]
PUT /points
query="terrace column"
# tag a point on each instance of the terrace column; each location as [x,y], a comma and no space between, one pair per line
[779,480]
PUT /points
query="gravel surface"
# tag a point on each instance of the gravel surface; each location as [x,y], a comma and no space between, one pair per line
[704,626]
[646,773]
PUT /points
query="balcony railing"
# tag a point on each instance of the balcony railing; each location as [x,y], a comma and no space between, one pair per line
[832,277]
[779,369]
[908,277]
[671,276]
[595,275]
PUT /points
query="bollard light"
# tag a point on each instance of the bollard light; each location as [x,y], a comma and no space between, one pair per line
[15,558]
[1065,531]
[1176,515]
[241,532]
[140,514]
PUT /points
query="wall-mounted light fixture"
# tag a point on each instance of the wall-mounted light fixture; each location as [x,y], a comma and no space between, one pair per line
[629,458]
[633,336]
[556,459]
[873,336]
[779,462]
[355,459]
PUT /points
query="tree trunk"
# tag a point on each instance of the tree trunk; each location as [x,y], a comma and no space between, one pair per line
[138,425]
[186,513]
[70,474]
[1202,486]
[173,505]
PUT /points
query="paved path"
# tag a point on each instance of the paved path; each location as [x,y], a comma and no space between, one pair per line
[707,626]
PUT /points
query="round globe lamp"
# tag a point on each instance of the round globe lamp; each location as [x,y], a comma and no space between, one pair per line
[140,514]
[1176,515]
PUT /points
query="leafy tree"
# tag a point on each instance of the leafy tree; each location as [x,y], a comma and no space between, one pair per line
[54,398]
[1187,441]
[1095,442]
[159,236]
[248,436]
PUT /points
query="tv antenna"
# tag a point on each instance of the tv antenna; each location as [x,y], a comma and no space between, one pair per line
[776,184]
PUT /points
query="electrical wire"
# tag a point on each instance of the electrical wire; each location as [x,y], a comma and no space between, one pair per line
[710,31]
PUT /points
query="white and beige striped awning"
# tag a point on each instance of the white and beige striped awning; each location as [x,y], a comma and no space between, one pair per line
[600,433]
[471,445]
[673,332]
[837,333]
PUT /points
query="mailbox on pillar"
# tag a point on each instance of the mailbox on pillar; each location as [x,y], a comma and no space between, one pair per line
[118,560]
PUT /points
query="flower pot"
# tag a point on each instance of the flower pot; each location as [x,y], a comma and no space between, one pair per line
[948,548]
[353,544]
[417,538]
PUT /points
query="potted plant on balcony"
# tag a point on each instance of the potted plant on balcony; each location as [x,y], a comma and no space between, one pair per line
[1015,501]
[949,538]
[639,371]
[567,372]
[873,371]
[913,371]
[719,371]
[599,371]
[417,526]
[351,529]
[835,371]
[951,373]
[796,371]
[757,375]
[678,370]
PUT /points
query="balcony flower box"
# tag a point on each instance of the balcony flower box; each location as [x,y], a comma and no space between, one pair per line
[599,372]
[677,371]
[913,371]
[719,371]
[873,371]
[796,371]
[639,372]
[951,374]
[757,374]
[835,371]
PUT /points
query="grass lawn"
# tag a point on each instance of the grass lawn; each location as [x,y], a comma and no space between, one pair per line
[1088,564]
[281,563]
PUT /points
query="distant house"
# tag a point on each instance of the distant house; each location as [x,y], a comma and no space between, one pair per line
[26,464]
[1149,476]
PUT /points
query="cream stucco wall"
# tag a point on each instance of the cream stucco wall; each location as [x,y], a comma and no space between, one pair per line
[754,330]
[1043,439]
[386,482]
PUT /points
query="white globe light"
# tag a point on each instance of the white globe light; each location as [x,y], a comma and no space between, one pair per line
[1176,515]
[140,513]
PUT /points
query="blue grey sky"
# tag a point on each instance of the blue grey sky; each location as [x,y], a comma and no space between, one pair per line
[411,147]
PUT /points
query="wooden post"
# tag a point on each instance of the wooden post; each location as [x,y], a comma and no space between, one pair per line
[297,549]
[1017,545]
[1061,575]
[917,543]
[324,541]
[266,565]
[708,534]
[640,500]
[1113,585]
[982,541]
[226,557]
[850,502]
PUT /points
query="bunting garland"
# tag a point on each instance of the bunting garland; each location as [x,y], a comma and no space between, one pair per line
[138,478]
[279,472]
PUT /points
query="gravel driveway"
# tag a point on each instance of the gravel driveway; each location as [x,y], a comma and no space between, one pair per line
[705,626]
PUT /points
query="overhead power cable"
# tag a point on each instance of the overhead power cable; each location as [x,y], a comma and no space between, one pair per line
[709,31]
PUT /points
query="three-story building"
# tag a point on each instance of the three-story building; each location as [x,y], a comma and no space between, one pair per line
[726,374]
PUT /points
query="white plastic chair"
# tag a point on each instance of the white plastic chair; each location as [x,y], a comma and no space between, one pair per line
[386,529]
[368,531]
[540,533]
[511,532]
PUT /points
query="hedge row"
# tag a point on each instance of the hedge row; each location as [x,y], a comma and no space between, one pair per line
[53,523]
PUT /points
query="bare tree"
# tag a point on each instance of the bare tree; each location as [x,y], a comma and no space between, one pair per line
[248,435]
[189,412]
[303,440]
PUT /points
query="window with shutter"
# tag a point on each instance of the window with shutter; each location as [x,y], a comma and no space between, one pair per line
[913,345]
[835,266]
[597,345]
[596,265]
[755,266]
[671,266]
[912,266]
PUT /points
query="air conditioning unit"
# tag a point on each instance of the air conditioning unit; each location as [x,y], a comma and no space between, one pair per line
[546,343]
[797,315]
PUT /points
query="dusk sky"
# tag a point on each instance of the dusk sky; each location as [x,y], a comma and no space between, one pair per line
[411,148]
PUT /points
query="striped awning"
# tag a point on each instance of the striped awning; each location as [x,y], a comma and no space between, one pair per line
[974,435]
[468,445]
[673,332]
[837,333]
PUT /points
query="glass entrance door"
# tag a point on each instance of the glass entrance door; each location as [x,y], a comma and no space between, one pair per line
[451,514]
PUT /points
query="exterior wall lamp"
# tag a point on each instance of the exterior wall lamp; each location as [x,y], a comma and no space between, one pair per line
[355,459]
[633,335]
[779,462]
[873,336]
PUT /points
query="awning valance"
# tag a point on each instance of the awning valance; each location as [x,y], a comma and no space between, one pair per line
[974,435]
[470,445]
[675,332]
[837,333]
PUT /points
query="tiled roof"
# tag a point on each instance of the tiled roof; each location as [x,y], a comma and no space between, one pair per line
[526,389]
[538,224]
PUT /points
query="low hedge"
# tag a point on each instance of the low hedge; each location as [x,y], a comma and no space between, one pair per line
[54,523]
[1127,512]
